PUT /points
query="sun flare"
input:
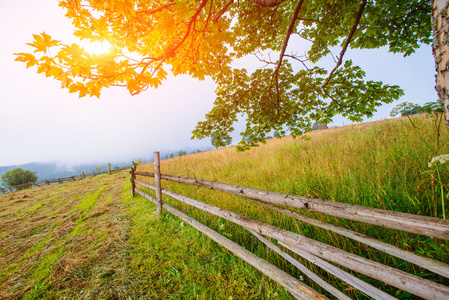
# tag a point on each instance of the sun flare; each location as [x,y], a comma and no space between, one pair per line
[95,47]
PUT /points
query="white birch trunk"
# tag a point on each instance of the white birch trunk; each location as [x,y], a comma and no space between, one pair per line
[440,49]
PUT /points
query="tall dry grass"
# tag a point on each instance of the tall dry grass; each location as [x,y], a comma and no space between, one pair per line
[382,165]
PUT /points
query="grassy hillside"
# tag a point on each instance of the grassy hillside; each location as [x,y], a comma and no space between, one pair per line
[90,239]
[382,165]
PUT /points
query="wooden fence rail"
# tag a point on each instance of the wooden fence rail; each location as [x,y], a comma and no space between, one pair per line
[318,253]
[28,185]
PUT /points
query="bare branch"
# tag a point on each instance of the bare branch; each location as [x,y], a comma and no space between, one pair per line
[302,61]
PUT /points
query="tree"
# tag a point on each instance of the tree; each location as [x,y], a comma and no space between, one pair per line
[18,176]
[405,109]
[202,38]
[98,169]
[171,155]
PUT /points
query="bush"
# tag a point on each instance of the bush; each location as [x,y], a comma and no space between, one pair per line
[18,176]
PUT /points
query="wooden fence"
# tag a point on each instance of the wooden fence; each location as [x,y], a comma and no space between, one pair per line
[28,185]
[320,254]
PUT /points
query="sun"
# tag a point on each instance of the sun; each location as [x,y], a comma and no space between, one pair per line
[95,47]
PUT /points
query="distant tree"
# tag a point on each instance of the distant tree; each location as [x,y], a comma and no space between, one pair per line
[139,161]
[166,156]
[171,155]
[18,176]
[431,107]
[405,109]
[116,167]
[98,169]
[181,153]
[277,134]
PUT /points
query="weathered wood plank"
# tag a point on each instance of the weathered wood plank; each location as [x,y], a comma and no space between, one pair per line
[157,182]
[422,261]
[290,283]
[318,280]
[433,227]
[399,279]
[133,179]
[337,272]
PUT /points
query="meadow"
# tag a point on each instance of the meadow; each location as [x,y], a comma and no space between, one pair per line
[381,164]
[90,239]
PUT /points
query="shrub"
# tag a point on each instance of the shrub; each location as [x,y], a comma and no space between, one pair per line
[18,176]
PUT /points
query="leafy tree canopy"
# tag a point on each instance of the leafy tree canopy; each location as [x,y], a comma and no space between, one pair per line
[203,38]
[18,176]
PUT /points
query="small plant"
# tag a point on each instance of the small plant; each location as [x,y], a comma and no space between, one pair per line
[437,164]
[427,247]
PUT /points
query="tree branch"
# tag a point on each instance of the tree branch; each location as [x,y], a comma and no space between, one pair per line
[222,11]
[267,3]
[287,36]
[348,40]
[156,9]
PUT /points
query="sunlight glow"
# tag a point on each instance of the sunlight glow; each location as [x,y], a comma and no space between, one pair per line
[95,47]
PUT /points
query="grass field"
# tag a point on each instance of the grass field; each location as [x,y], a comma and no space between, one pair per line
[382,165]
[89,239]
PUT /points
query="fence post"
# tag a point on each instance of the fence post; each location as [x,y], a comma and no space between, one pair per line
[157,183]
[133,184]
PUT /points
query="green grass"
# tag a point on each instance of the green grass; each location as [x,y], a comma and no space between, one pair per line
[381,165]
[175,261]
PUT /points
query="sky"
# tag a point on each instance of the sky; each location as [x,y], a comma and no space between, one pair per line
[40,122]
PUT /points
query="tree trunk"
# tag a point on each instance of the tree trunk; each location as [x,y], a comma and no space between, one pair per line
[440,49]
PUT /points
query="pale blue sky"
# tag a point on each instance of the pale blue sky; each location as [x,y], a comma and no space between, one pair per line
[42,122]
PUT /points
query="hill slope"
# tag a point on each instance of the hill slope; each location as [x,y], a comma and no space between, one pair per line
[89,239]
